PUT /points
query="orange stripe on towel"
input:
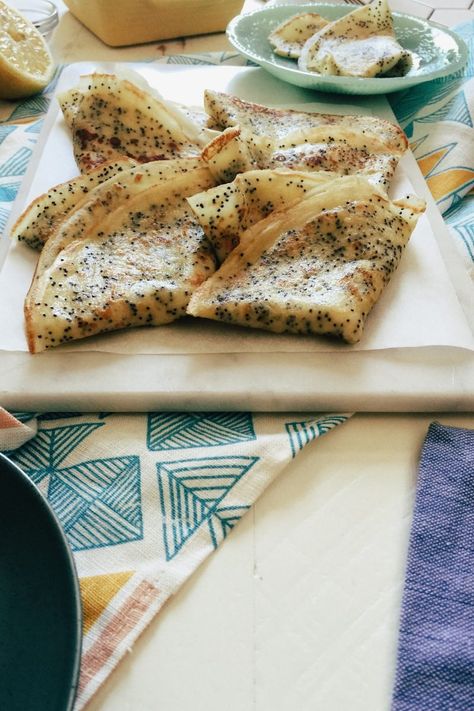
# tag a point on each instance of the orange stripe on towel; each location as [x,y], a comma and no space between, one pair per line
[7,421]
[115,631]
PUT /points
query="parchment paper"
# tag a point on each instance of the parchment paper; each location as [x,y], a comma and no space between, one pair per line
[419,308]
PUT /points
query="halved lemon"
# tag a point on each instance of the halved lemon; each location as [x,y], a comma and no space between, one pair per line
[26,65]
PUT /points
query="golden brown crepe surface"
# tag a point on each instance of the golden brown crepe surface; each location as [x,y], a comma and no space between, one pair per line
[111,117]
[134,265]
[256,136]
[224,212]
[316,268]
[38,221]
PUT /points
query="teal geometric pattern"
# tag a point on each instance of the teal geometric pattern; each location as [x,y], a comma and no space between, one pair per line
[36,106]
[459,191]
[456,195]
[231,58]
[24,416]
[300,433]
[46,416]
[414,145]
[408,105]
[42,455]
[186,60]
[171,430]
[458,210]
[4,214]
[454,110]
[466,233]
[8,191]
[225,517]
[16,165]
[192,493]
[461,218]
[447,148]
[99,502]
[35,127]
[5,132]
[461,210]
[466,31]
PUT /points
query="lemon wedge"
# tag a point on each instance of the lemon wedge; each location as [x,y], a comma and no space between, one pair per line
[26,65]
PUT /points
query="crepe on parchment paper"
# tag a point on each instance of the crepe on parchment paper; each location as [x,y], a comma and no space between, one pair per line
[111,117]
[316,267]
[256,136]
[36,224]
[224,212]
[136,248]
[119,264]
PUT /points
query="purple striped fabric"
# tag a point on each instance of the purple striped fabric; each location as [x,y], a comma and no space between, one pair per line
[435,667]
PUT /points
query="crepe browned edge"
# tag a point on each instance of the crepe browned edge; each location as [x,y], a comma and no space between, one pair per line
[100,150]
[226,110]
[59,241]
[210,301]
[86,182]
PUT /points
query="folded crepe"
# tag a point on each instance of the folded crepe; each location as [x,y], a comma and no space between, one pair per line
[224,212]
[112,194]
[256,136]
[289,37]
[42,215]
[287,125]
[236,151]
[360,44]
[231,153]
[317,267]
[117,263]
[111,117]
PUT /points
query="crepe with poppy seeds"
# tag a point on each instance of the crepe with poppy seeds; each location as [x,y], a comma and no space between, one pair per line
[236,151]
[315,268]
[99,191]
[133,264]
[288,125]
[256,136]
[359,44]
[110,117]
[289,37]
[39,219]
[224,212]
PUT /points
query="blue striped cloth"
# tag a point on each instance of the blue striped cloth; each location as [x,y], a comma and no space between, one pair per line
[435,669]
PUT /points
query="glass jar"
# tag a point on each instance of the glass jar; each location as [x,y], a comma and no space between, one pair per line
[42,13]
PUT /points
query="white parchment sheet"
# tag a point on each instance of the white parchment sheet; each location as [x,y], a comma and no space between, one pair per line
[419,308]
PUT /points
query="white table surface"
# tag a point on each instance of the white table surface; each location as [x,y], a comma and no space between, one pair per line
[298,609]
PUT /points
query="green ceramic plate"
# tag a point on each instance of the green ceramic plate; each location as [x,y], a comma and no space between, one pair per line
[40,614]
[438,52]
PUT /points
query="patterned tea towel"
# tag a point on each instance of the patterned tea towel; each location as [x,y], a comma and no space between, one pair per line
[438,119]
[144,499]
[436,647]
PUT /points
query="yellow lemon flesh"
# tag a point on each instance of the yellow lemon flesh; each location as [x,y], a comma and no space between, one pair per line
[26,65]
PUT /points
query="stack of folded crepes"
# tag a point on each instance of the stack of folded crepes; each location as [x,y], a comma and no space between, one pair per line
[361,43]
[256,216]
